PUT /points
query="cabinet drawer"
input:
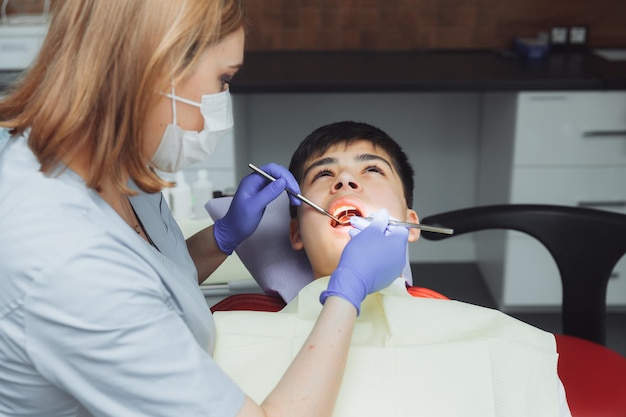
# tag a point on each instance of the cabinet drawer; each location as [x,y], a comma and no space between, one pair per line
[571,128]
[596,187]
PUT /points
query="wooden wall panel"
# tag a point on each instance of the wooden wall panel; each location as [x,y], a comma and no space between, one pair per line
[426,24]
[418,24]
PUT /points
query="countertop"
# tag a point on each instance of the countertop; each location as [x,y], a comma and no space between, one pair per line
[409,71]
[393,71]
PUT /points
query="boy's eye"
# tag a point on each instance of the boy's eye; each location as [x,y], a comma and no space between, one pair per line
[321,173]
[374,168]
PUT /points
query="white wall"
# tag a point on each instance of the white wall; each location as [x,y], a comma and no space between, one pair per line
[439,132]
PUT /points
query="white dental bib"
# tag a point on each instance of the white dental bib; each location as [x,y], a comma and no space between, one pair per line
[409,356]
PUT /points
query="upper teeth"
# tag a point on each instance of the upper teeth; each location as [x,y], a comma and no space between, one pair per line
[343,209]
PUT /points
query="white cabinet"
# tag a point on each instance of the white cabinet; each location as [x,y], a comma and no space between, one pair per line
[547,148]
[583,129]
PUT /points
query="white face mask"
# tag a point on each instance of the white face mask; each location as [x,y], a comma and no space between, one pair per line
[181,148]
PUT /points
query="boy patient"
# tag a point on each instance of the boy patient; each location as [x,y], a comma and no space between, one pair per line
[349,169]
[409,356]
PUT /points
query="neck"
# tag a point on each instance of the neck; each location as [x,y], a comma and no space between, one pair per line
[120,203]
[117,199]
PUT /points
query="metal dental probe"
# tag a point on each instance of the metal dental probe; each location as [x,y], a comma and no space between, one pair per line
[423,227]
[298,196]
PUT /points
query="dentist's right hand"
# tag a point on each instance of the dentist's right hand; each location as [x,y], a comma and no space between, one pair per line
[248,205]
[371,261]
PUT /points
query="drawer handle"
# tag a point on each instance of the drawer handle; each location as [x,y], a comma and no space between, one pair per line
[607,203]
[614,275]
[604,133]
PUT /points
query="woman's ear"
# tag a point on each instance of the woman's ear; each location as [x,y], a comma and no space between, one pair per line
[294,235]
[411,216]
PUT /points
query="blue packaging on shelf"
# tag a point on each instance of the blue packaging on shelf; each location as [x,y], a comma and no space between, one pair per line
[531,48]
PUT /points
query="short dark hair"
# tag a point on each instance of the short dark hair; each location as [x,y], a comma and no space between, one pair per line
[346,132]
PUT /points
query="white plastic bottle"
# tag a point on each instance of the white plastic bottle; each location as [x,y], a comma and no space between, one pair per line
[180,197]
[202,191]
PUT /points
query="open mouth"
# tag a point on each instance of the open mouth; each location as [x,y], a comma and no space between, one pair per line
[343,214]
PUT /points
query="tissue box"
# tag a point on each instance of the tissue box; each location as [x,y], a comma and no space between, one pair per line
[19,44]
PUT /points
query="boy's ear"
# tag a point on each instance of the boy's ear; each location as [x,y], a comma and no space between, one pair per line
[411,216]
[294,235]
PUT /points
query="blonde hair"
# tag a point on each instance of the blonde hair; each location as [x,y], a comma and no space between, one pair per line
[98,73]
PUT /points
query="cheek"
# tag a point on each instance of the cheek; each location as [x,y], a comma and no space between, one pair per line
[317,233]
[392,203]
[312,238]
[189,118]
[156,122]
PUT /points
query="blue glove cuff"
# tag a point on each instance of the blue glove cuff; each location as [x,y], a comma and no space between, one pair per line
[325,294]
[346,284]
[220,233]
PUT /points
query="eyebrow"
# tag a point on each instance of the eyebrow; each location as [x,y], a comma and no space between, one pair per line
[319,162]
[372,157]
[359,158]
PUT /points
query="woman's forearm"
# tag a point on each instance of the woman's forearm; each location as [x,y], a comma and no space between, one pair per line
[311,383]
[205,253]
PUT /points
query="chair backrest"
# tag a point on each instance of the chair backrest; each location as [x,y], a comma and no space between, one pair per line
[585,243]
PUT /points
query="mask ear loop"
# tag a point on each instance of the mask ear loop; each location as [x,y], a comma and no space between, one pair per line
[174,104]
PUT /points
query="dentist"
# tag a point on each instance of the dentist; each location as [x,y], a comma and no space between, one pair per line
[100,310]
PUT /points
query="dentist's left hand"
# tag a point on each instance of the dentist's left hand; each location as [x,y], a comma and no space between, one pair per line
[253,194]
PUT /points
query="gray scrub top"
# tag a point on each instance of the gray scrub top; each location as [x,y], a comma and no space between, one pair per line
[93,319]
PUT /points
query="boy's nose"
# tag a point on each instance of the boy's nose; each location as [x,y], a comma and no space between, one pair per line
[347,181]
[350,184]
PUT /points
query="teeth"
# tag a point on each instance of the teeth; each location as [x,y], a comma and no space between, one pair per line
[339,211]
[344,213]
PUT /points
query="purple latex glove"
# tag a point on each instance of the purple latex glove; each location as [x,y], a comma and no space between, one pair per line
[373,258]
[254,193]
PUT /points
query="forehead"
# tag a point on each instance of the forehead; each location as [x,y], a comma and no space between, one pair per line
[230,48]
[349,151]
